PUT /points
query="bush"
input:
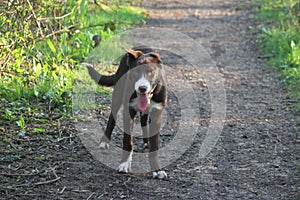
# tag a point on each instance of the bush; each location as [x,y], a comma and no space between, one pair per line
[42,43]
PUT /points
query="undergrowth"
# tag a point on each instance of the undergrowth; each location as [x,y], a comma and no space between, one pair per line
[280,40]
[42,43]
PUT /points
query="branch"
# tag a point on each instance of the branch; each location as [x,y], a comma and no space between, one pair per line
[55,18]
[60,31]
[36,19]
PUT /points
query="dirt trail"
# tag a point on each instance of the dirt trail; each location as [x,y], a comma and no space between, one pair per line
[256,157]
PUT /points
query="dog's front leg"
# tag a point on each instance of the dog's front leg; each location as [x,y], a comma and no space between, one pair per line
[128,120]
[145,129]
[154,139]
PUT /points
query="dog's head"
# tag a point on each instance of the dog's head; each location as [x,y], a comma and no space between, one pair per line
[146,72]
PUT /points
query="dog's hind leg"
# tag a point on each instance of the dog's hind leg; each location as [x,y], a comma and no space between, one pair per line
[104,143]
[116,104]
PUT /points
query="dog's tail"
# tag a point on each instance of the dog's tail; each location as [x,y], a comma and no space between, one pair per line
[98,78]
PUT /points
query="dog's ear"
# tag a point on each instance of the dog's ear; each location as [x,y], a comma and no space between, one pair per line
[132,55]
[156,58]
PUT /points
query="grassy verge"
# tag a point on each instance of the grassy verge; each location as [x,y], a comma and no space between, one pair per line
[280,39]
[42,43]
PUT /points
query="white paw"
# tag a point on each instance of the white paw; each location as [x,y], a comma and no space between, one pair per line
[160,174]
[104,145]
[125,167]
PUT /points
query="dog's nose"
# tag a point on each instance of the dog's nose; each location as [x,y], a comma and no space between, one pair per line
[142,89]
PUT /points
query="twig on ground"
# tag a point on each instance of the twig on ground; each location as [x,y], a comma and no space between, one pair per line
[125,183]
[65,138]
[90,196]
[105,193]
[80,191]
[62,191]
[6,174]
[47,182]
[53,171]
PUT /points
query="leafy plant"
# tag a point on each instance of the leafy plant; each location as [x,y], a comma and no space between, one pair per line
[9,114]
[22,125]
[280,39]
[42,43]
[44,50]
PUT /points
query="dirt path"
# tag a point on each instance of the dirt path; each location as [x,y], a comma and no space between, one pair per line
[256,157]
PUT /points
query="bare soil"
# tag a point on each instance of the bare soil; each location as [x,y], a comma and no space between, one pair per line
[257,154]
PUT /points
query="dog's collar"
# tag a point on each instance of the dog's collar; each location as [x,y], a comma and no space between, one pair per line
[151,93]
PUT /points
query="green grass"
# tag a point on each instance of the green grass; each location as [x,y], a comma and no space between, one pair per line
[280,39]
[42,44]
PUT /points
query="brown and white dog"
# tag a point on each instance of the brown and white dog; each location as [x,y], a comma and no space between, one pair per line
[140,86]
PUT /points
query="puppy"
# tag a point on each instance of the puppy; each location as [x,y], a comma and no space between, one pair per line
[140,86]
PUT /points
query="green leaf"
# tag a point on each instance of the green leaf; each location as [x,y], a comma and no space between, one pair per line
[83,7]
[21,122]
[36,92]
[51,46]
[39,130]
[8,114]
[293,44]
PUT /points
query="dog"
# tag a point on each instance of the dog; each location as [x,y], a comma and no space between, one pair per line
[140,86]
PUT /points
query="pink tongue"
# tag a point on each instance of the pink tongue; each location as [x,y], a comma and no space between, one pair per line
[142,102]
